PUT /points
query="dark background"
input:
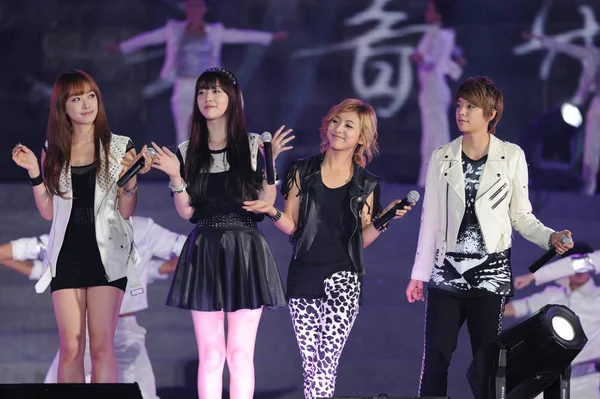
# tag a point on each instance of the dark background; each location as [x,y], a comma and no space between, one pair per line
[39,40]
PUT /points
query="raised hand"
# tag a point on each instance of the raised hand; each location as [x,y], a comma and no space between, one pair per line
[26,159]
[166,161]
[279,141]
[524,280]
[132,157]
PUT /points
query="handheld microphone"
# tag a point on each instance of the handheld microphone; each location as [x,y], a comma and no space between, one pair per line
[412,197]
[135,168]
[268,149]
[548,255]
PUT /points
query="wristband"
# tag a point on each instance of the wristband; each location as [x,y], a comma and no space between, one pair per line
[129,193]
[550,240]
[276,217]
[36,181]
[178,189]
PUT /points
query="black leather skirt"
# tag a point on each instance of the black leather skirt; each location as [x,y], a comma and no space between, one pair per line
[226,264]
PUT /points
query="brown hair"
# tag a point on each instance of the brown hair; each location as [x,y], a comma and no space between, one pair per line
[363,153]
[59,130]
[483,93]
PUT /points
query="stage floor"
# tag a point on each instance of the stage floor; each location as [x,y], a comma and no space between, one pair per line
[383,354]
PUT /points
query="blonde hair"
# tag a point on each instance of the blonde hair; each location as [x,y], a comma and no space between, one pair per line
[365,152]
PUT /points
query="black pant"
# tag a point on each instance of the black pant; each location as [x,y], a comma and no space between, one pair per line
[444,316]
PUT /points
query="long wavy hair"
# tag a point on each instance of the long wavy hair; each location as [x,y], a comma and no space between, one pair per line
[60,128]
[242,181]
[365,152]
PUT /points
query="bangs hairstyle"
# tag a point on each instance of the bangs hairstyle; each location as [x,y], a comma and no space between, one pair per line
[365,152]
[242,180]
[60,128]
[483,93]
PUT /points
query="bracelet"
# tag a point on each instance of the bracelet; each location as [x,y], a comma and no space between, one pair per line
[177,189]
[380,225]
[36,181]
[129,193]
[550,240]
[276,217]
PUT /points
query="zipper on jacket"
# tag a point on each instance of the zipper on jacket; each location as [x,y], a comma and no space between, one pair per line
[356,226]
[500,200]
[486,191]
[498,191]
[447,191]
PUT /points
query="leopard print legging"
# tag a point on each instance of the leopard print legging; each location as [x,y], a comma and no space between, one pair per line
[322,327]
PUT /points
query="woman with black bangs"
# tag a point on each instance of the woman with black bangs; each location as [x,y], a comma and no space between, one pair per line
[226,265]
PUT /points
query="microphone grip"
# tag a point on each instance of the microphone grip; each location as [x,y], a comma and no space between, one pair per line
[269,168]
[131,172]
[389,215]
[542,260]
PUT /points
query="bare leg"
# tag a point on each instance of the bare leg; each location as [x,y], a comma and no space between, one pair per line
[241,337]
[69,310]
[210,338]
[104,304]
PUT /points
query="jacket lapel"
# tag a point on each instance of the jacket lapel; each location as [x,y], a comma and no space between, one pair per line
[452,168]
[494,166]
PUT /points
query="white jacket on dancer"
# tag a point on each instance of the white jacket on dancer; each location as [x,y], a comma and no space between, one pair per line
[436,47]
[589,56]
[564,268]
[172,32]
[155,244]
[502,204]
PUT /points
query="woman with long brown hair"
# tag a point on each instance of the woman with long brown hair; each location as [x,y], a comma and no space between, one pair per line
[91,254]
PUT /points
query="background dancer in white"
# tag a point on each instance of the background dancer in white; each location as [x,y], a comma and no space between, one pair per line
[159,249]
[192,47]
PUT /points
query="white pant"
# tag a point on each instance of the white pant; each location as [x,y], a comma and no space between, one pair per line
[183,101]
[584,387]
[434,101]
[132,358]
[591,148]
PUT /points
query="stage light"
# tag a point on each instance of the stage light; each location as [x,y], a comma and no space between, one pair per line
[563,328]
[571,114]
[530,357]
[550,142]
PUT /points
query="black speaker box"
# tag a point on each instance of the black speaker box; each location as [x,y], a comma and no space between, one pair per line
[69,391]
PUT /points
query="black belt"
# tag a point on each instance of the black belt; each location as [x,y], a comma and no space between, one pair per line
[229,221]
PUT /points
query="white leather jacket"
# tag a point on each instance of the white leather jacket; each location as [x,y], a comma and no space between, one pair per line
[114,234]
[502,204]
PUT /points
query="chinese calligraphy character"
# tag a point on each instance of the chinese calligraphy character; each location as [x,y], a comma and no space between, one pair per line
[368,46]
